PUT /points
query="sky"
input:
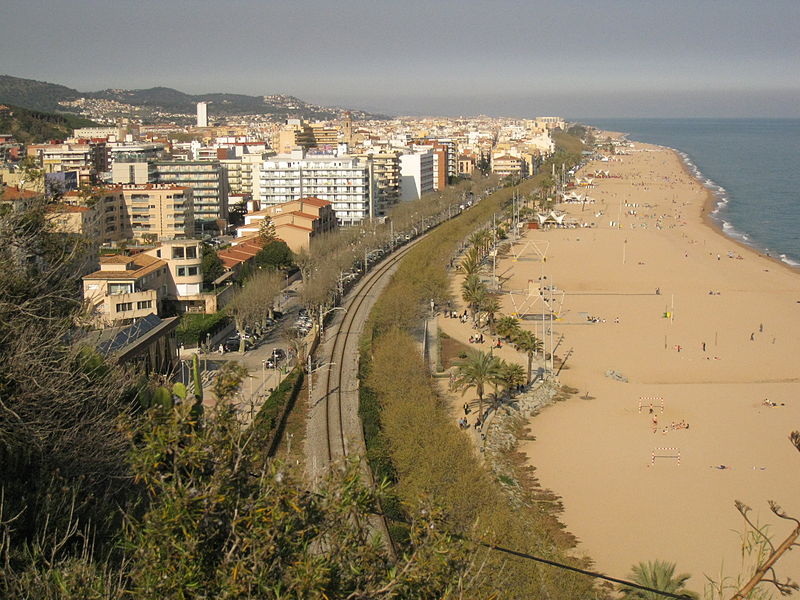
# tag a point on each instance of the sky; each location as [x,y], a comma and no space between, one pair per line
[593,58]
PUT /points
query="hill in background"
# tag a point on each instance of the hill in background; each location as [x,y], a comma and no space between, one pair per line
[160,103]
[34,126]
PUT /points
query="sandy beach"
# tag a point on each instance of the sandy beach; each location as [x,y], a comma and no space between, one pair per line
[731,340]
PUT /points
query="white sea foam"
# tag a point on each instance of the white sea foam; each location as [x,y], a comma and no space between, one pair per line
[722,200]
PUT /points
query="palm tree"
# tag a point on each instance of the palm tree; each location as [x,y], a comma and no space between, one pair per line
[507,327]
[471,262]
[473,291]
[481,240]
[490,304]
[529,344]
[478,369]
[659,575]
[511,375]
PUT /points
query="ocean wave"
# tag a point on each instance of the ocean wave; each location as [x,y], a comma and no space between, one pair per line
[722,199]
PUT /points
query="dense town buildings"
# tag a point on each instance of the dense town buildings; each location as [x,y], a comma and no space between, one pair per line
[160,189]
[362,168]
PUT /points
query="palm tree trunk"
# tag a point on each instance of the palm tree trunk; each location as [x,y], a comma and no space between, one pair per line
[530,366]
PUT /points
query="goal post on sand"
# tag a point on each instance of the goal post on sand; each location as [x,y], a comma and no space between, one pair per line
[651,401]
[668,452]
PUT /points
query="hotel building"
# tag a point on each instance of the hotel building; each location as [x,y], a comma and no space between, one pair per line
[342,180]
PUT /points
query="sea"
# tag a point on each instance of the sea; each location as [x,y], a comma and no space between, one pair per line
[751,166]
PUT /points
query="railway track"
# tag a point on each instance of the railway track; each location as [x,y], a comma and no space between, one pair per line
[343,432]
[344,354]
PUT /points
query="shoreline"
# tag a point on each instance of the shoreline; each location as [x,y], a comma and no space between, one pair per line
[697,391]
[713,203]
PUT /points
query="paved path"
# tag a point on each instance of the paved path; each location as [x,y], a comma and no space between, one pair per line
[261,380]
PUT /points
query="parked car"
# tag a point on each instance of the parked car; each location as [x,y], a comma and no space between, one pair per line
[279,354]
[232,344]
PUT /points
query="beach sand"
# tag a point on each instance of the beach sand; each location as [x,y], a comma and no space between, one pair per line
[596,451]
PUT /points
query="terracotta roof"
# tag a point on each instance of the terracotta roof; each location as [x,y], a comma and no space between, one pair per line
[115,259]
[241,252]
[14,193]
[67,208]
[313,200]
[142,265]
[293,213]
[279,225]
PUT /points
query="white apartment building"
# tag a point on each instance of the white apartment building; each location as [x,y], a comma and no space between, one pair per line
[342,180]
[416,174]
[202,114]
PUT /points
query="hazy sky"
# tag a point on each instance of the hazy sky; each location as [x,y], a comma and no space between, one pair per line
[501,57]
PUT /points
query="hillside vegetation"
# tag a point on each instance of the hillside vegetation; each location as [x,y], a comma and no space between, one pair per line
[33,126]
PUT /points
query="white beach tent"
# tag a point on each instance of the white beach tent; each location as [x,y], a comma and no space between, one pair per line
[551,218]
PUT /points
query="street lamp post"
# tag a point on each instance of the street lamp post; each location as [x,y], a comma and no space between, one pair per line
[322,318]
[312,371]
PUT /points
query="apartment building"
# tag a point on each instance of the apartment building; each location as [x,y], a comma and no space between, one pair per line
[506,165]
[202,114]
[416,174]
[139,173]
[293,135]
[342,180]
[385,169]
[96,132]
[325,135]
[105,206]
[85,159]
[128,211]
[244,175]
[80,220]
[208,181]
[466,164]
[159,211]
[550,122]
[444,160]
[134,152]
[126,288]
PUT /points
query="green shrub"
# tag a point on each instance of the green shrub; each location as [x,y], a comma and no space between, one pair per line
[268,419]
[193,328]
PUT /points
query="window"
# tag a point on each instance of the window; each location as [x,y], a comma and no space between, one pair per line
[120,288]
[191,252]
[181,271]
[123,306]
[144,304]
[192,270]
[177,252]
